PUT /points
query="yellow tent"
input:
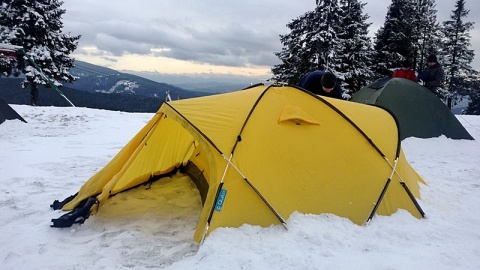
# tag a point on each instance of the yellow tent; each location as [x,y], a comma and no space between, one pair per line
[263,153]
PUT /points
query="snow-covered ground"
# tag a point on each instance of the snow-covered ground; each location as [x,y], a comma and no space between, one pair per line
[52,155]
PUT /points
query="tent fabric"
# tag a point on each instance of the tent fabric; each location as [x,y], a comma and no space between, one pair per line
[8,113]
[266,152]
[419,112]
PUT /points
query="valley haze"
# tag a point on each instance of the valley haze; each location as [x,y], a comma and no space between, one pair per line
[211,83]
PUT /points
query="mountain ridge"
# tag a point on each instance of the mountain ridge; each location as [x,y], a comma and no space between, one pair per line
[101,88]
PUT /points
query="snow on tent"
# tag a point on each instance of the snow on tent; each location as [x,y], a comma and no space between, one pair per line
[261,154]
[418,111]
[8,113]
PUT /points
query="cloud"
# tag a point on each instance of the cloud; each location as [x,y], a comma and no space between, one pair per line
[210,32]
[214,32]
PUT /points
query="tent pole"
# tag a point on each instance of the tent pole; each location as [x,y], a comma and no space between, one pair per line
[417,205]
[229,163]
[378,150]
[284,223]
[413,199]
[380,198]
[207,225]
[379,201]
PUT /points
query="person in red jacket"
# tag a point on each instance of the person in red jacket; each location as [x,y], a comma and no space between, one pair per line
[405,72]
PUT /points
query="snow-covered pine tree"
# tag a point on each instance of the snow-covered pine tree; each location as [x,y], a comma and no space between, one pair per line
[310,45]
[393,41]
[296,54]
[457,56]
[354,55]
[324,41]
[36,26]
[474,104]
[427,36]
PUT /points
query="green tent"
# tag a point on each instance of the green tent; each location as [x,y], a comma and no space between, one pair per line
[8,113]
[418,111]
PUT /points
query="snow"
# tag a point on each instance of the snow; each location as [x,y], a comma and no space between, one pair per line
[52,155]
[128,87]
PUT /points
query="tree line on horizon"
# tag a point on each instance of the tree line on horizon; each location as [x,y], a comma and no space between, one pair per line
[334,37]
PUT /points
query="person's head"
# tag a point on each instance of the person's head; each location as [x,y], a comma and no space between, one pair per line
[328,81]
[406,64]
[432,60]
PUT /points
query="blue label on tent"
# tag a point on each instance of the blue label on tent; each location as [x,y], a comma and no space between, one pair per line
[220,200]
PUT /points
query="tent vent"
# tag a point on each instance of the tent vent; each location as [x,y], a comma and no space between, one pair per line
[296,115]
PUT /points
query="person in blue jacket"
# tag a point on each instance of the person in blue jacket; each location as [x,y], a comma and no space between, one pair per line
[322,83]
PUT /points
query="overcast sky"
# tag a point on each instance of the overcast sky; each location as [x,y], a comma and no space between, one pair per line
[208,36]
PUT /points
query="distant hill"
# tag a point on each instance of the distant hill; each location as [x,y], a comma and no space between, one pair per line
[213,87]
[98,79]
[12,93]
[101,88]
[209,83]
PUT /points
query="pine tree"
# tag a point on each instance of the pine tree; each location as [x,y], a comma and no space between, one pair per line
[354,56]
[296,55]
[310,45]
[37,27]
[474,104]
[457,56]
[394,40]
[323,39]
[427,35]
